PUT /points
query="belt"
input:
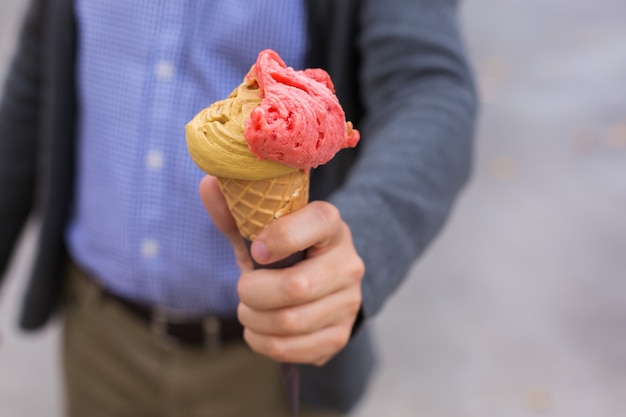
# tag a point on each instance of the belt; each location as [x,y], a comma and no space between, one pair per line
[173,330]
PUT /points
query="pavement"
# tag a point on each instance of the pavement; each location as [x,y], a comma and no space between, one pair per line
[518,307]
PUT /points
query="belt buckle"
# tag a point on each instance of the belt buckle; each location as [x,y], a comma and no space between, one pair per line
[163,318]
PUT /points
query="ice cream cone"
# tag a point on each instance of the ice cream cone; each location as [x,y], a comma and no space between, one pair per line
[255,204]
[261,143]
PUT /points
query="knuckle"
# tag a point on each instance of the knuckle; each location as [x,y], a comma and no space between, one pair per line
[297,287]
[357,268]
[329,212]
[276,349]
[289,320]
[284,230]
[353,269]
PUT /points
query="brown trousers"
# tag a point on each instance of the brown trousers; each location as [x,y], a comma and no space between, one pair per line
[115,367]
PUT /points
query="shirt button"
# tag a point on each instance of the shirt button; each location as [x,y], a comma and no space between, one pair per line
[164,70]
[154,160]
[149,248]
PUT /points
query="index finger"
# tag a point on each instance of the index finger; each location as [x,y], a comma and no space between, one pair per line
[217,208]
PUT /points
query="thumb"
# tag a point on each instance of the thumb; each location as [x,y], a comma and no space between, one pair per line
[215,204]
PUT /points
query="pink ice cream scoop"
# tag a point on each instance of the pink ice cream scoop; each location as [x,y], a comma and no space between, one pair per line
[299,122]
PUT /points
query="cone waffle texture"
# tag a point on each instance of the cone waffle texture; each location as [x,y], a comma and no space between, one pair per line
[255,204]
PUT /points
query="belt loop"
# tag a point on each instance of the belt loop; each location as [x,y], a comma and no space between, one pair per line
[212,327]
[159,326]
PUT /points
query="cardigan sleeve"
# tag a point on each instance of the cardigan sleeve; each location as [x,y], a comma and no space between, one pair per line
[419,114]
[19,117]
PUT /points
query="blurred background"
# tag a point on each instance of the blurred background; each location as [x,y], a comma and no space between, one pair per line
[519,308]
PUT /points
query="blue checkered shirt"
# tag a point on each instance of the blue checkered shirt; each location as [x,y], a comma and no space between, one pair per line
[145,68]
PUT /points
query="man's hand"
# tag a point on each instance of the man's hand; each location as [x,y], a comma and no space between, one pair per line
[304,313]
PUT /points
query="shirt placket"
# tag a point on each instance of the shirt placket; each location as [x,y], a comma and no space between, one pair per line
[156,157]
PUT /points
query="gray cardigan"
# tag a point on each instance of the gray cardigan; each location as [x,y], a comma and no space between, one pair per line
[401,73]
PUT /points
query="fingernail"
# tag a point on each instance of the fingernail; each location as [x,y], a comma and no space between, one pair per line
[259,251]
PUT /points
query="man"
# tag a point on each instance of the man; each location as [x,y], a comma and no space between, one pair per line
[91,140]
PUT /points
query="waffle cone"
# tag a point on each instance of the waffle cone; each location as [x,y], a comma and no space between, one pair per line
[255,204]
